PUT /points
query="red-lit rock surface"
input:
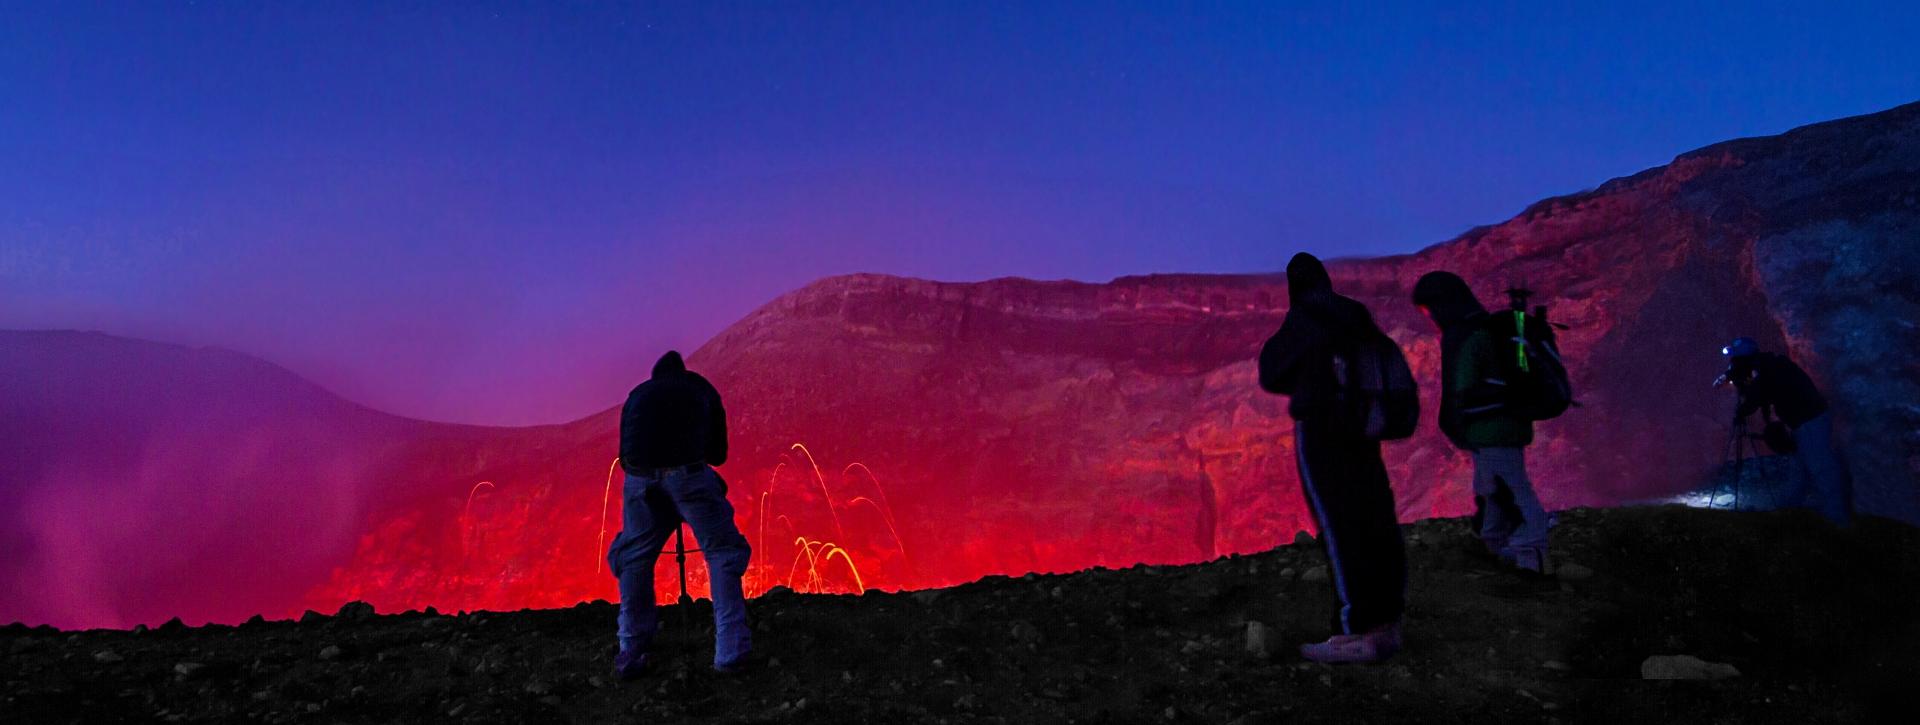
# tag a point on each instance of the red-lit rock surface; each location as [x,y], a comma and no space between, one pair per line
[1018,426]
[1047,426]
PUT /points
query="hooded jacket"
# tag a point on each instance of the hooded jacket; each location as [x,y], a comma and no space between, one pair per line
[1472,414]
[1298,360]
[673,419]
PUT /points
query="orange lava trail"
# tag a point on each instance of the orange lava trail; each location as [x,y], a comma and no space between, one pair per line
[466,530]
[822,480]
[859,585]
[889,521]
[600,549]
[773,480]
[886,510]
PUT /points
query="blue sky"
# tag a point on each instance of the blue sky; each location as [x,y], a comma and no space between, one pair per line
[501,212]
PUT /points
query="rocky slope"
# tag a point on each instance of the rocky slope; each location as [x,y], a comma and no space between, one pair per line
[1816,623]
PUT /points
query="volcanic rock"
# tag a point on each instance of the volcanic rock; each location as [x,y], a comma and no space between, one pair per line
[1684,667]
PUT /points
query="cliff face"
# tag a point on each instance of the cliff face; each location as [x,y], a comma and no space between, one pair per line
[948,431]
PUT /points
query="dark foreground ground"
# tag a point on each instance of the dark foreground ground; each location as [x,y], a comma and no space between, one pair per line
[1820,624]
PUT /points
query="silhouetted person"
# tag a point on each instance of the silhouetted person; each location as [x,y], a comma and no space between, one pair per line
[672,431]
[1341,473]
[1772,382]
[1476,417]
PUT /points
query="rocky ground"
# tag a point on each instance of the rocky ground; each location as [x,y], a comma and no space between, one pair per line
[1818,623]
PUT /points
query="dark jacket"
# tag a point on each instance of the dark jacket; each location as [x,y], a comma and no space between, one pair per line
[1766,379]
[673,419]
[1298,360]
[1473,413]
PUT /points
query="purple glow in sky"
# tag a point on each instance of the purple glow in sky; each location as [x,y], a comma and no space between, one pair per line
[501,214]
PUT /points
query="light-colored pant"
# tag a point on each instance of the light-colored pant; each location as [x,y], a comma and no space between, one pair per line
[1823,484]
[655,506]
[1521,525]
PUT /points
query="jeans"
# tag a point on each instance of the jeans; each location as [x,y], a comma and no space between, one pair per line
[656,504]
[1823,484]
[1512,519]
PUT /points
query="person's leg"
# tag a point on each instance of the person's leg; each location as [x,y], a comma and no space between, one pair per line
[1831,493]
[1381,583]
[1496,512]
[702,498]
[1346,487]
[647,518]
[1527,544]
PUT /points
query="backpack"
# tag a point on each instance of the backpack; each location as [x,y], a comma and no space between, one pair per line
[1538,387]
[1377,397]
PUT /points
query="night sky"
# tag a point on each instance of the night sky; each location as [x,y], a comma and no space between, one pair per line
[502,215]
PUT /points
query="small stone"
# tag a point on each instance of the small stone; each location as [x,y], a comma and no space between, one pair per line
[1259,640]
[966,702]
[1316,574]
[1302,538]
[596,683]
[312,617]
[330,652]
[186,669]
[107,656]
[262,695]
[1192,646]
[1571,571]
[1557,666]
[313,707]
[1057,593]
[538,688]
[1288,572]
[1684,667]
[1170,713]
[773,662]
[174,625]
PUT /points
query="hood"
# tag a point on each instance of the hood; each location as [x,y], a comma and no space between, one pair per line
[1306,278]
[1448,297]
[669,364]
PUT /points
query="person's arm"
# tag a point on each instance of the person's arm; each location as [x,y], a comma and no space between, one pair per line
[1282,358]
[1473,382]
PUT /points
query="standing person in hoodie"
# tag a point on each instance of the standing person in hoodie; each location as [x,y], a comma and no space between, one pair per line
[673,430]
[1475,417]
[1341,473]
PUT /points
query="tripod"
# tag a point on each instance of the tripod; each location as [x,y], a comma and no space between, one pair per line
[1740,447]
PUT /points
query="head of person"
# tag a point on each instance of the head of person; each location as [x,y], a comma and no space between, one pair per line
[669,365]
[1446,299]
[1740,353]
[1307,278]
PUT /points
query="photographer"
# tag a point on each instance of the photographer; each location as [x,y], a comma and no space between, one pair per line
[1773,383]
